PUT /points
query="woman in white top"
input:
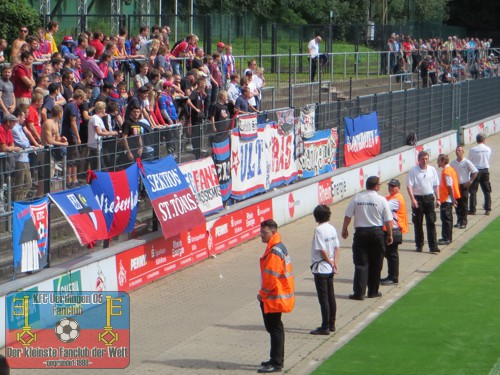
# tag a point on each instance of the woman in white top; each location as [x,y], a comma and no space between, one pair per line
[96,130]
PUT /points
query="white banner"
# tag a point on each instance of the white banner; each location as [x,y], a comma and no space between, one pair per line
[263,163]
[202,177]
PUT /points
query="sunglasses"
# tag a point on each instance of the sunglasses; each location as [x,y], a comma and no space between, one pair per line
[24,30]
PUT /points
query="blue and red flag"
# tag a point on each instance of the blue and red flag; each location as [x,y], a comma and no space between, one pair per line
[171,197]
[362,138]
[221,153]
[117,194]
[82,211]
[30,235]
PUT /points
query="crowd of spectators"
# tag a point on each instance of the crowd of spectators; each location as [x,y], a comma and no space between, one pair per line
[438,60]
[71,101]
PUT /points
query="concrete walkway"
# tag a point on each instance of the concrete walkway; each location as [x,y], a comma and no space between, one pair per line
[206,319]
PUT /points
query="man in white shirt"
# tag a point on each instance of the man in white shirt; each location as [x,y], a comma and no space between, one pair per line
[480,156]
[324,263]
[466,173]
[422,185]
[371,212]
[313,49]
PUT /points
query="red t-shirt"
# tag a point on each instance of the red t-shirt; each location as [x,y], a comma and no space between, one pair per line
[181,47]
[34,117]
[99,47]
[20,89]
[6,137]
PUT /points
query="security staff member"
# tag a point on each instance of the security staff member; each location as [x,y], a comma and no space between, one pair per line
[448,194]
[422,185]
[399,226]
[466,173]
[480,156]
[276,294]
[371,212]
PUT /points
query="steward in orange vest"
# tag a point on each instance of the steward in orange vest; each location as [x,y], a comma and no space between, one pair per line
[449,192]
[276,294]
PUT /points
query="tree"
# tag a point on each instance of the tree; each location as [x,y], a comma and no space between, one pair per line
[14,13]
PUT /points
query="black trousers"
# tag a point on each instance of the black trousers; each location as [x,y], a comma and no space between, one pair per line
[483,180]
[446,212]
[274,326]
[314,68]
[392,256]
[368,257]
[326,298]
[462,204]
[426,206]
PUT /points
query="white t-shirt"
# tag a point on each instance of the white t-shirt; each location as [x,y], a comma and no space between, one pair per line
[480,156]
[422,181]
[369,210]
[325,238]
[94,122]
[313,48]
[464,169]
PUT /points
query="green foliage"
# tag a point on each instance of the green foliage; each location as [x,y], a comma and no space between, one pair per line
[14,13]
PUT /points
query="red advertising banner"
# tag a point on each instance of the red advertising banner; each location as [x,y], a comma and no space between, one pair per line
[160,257]
[237,227]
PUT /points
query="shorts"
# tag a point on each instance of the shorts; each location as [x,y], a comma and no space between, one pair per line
[73,156]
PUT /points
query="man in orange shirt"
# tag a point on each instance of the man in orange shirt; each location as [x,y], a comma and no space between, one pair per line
[276,295]
[449,192]
[399,226]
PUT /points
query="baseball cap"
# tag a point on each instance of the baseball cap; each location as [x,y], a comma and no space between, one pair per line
[68,38]
[70,56]
[394,182]
[9,117]
[167,84]
[221,45]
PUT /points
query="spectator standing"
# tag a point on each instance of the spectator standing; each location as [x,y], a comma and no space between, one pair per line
[480,157]
[22,79]
[219,116]
[397,206]
[228,64]
[324,264]
[97,131]
[216,73]
[448,194]
[131,135]
[422,185]
[96,42]
[53,28]
[276,295]
[90,64]
[466,173]
[7,145]
[22,175]
[313,49]
[371,212]
[15,52]
[7,98]
[196,102]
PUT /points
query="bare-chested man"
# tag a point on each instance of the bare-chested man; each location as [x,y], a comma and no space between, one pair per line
[51,137]
[17,44]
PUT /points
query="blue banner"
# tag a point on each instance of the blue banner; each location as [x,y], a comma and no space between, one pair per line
[362,138]
[222,160]
[117,194]
[30,235]
[82,211]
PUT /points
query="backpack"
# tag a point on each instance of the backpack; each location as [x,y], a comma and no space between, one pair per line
[411,139]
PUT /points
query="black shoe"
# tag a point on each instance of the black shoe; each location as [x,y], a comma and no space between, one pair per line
[419,249]
[442,241]
[471,212]
[269,368]
[388,282]
[457,225]
[320,331]
[332,329]
[463,226]
[356,297]
[375,295]
[487,212]
[435,250]
[384,279]
[265,363]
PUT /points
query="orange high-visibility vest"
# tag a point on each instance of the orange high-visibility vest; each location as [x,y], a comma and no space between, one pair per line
[277,289]
[401,215]
[443,189]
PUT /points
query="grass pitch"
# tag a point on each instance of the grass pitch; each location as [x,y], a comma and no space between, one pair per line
[448,324]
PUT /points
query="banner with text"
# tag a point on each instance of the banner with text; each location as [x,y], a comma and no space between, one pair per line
[202,177]
[307,121]
[362,138]
[117,194]
[221,153]
[171,197]
[247,125]
[263,163]
[30,235]
[82,211]
[320,154]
